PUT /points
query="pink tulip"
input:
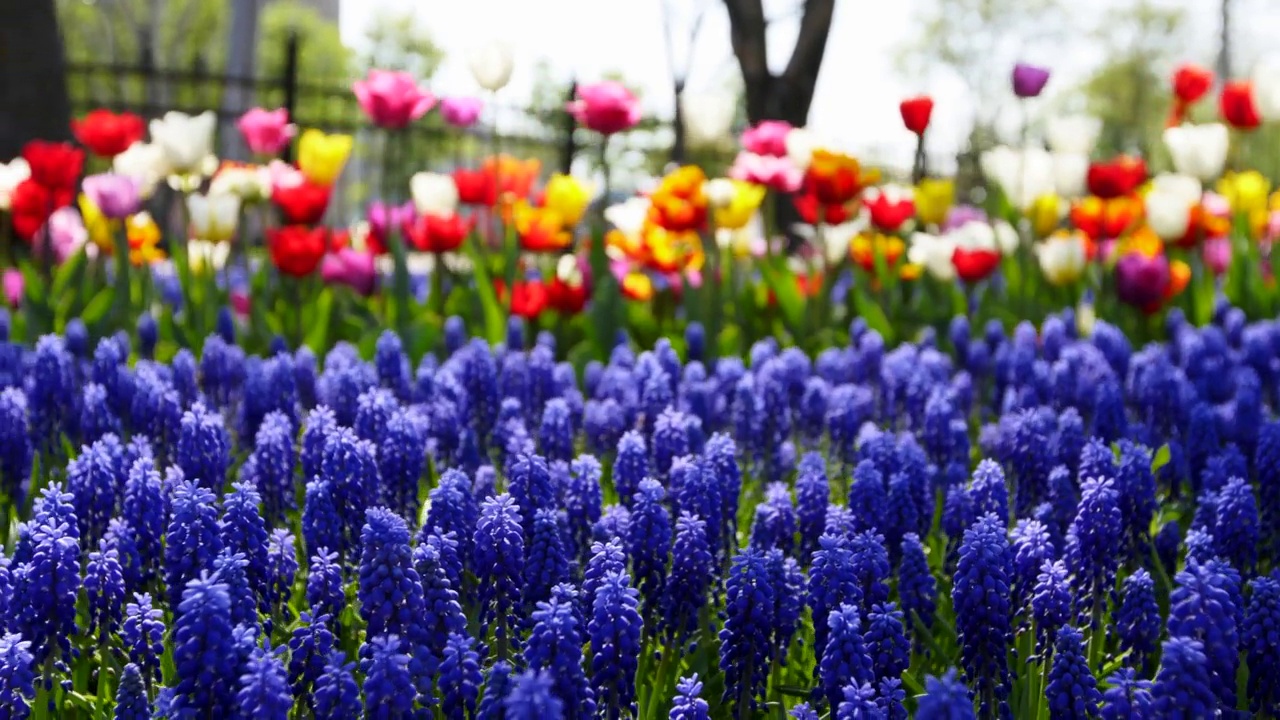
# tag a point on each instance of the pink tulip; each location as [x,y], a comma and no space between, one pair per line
[349,267]
[66,234]
[778,173]
[392,99]
[767,138]
[266,132]
[284,175]
[607,107]
[461,112]
[240,302]
[13,286]
[1217,254]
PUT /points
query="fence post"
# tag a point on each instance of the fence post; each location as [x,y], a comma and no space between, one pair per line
[570,145]
[289,81]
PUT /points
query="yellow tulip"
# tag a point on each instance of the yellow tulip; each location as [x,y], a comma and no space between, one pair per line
[637,286]
[99,227]
[742,205]
[934,197]
[1245,191]
[321,156]
[1045,213]
[568,197]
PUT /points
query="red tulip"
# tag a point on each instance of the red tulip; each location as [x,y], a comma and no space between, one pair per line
[889,213]
[107,134]
[437,234]
[528,298]
[807,205]
[301,204]
[1191,82]
[565,298]
[31,204]
[297,250]
[916,112]
[476,187]
[1117,177]
[56,166]
[974,265]
[1238,107]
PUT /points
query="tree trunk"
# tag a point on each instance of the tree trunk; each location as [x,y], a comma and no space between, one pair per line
[33,81]
[786,96]
[678,143]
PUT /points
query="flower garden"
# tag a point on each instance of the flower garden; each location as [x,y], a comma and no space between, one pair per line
[506,448]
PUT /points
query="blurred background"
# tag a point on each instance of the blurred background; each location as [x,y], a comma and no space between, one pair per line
[839,66]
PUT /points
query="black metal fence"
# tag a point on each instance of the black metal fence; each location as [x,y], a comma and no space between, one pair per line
[551,135]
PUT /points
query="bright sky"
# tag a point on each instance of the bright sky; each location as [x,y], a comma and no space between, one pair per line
[856,103]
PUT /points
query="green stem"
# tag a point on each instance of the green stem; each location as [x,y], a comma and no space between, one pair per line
[123,289]
[400,275]
[437,285]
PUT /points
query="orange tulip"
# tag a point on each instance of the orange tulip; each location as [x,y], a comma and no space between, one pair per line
[1106,219]
[540,229]
[864,249]
[836,178]
[514,178]
[679,203]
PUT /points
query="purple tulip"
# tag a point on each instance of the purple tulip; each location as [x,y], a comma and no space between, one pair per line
[382,218]
[1141,281]
[117,196]
[961,215]
[1029,80]
[461,112]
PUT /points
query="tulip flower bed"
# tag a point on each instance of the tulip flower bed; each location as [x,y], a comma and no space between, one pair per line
[170,238]
[1032,525]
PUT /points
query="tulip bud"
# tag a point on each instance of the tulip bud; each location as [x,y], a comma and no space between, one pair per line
[491,66]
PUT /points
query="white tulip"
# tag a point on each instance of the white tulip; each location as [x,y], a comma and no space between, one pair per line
[1073,134]
[836,239]
[1169,203]
[434,193]
[720,192]
[11,176]
[249,183]
[1070,174]
[1023,175]
[1266,88]
[628,216]
[1062,257]
[491,65]
[212,254]
[800,146]
[1198,150]
[214,217]
[568,271]
[934,253]
[145,163]
[708,118]
[187,141]
[1007,239]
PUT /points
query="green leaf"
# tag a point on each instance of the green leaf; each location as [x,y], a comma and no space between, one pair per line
[782,282]
[318,321]
[97,308]
[871,311]
[66,274]
[494,324]
[1161,458]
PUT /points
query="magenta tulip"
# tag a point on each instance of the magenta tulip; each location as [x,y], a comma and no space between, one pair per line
[767,138]
[1140,280]
[13,286]
[607,107]
[266,132]
[349,267]
[117,196]
[392,99]
[461,112]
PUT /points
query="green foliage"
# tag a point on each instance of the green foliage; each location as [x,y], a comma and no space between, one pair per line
[394,41]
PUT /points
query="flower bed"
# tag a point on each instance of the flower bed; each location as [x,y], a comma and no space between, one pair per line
[1034,525]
